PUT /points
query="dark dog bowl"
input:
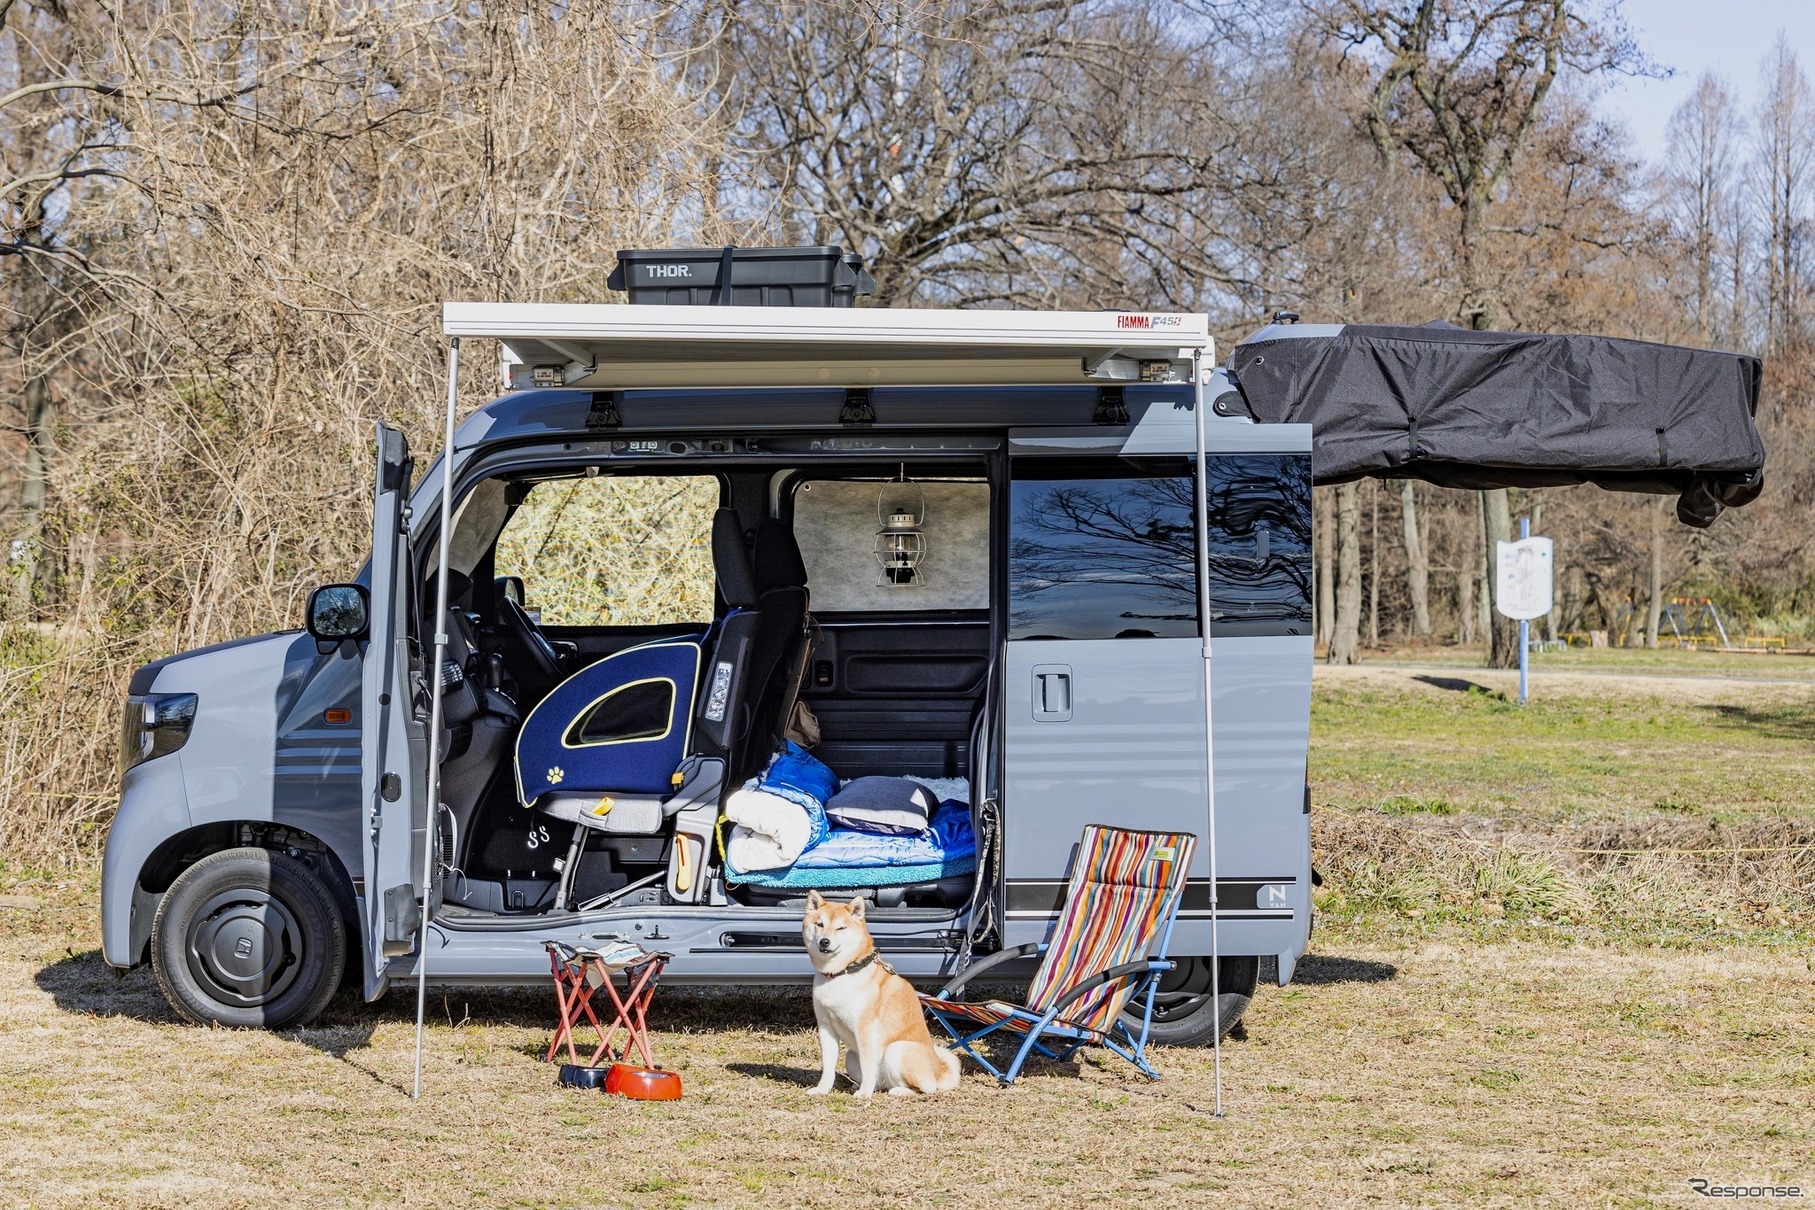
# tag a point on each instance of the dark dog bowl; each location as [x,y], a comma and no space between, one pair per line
[575,1075]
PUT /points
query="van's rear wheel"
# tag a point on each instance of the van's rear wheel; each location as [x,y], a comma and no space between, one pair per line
[1184,1013]
[248,937]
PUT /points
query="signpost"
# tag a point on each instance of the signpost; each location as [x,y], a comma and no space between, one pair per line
[1523,580]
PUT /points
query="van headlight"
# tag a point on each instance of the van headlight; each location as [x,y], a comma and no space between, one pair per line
[154,724]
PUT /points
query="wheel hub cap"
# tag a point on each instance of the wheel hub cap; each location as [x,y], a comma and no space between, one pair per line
[1183,990]
[244,946]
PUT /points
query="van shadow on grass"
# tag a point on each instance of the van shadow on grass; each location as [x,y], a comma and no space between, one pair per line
[1001,1054]
[1320,969]
[82,984]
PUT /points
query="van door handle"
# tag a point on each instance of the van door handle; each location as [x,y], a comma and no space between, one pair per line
[1052,693]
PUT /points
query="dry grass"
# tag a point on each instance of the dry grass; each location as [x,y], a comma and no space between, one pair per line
[1486,1019]
[1616,807]
[1425,1072]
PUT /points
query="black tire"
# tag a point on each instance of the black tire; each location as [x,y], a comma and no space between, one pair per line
[248,938]
[1182,1011]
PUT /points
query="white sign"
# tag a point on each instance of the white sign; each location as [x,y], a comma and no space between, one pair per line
[1523,578]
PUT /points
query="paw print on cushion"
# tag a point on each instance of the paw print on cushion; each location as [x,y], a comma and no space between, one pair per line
[555,775]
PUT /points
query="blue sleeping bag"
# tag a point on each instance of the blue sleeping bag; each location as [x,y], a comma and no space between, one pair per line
[848,858]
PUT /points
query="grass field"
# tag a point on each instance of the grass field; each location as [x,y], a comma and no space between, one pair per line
[1487,1017]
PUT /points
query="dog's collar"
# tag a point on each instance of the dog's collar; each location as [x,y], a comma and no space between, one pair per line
[858,965]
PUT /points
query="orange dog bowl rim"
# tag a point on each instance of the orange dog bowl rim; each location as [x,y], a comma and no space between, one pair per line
[643,1083]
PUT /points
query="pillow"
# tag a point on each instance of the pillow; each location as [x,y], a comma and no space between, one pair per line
[892,806]
[798,776]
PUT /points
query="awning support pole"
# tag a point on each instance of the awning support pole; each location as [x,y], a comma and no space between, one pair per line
[1525,625]
[432,832]
[1205,616]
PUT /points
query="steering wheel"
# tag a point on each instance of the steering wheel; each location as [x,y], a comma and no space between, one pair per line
[531,647]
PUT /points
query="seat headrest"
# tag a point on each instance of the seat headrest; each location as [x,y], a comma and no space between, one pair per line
[778,561]
[459,585]
[729,561]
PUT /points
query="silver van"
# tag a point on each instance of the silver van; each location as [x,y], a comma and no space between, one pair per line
[967,552]
[971,551]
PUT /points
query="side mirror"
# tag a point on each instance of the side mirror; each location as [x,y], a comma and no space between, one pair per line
[338,612]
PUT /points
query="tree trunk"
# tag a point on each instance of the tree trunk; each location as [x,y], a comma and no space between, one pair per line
[1503,632]
[1477,306]
[40,427]
[1465,607]
[1373,565]
[1655,615]
[1326,577]
[1345,640]
[1417,562]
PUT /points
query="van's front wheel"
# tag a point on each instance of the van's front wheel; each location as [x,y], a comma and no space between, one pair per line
[1184,1013]
[248,937]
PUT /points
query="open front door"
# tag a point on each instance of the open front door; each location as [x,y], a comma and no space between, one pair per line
[394,741]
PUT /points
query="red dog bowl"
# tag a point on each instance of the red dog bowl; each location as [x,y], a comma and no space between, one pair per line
[643,1083]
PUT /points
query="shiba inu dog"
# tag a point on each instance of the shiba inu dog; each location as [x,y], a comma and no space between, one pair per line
[862,1004]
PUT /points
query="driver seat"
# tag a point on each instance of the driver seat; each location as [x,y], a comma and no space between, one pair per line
[644,734]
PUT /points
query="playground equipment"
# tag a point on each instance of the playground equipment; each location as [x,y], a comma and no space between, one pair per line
[1694,622]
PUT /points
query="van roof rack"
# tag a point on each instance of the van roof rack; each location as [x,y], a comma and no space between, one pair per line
[610,347]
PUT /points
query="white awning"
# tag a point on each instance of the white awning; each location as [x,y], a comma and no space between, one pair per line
[603,346]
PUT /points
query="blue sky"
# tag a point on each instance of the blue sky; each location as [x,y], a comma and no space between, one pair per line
[1727,36]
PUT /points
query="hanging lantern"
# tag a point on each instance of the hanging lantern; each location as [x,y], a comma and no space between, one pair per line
[900,544]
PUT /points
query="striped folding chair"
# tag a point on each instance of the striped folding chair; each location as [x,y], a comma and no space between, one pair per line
[1108,949]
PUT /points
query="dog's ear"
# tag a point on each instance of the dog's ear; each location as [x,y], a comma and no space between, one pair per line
[857,907]
[815,901]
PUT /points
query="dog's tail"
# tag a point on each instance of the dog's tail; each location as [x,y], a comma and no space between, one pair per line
[951,1070]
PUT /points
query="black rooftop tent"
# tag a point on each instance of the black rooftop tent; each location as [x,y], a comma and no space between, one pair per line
[1511,409]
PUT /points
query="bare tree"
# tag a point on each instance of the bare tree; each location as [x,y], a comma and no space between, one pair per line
[1700,161]
[1373,564]
[226,233]
[1785,165]
[1659,518]
[981,151]
[1325,533]
[1458,89]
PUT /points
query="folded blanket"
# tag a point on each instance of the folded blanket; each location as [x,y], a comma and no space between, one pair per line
[948,839]
[780,813]
[769,831]
[798,776]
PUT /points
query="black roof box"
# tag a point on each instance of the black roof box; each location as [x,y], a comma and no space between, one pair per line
[744,277]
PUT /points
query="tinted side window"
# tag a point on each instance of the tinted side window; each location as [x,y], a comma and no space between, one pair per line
[1107,549]
[1260,544]
[1101,551]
